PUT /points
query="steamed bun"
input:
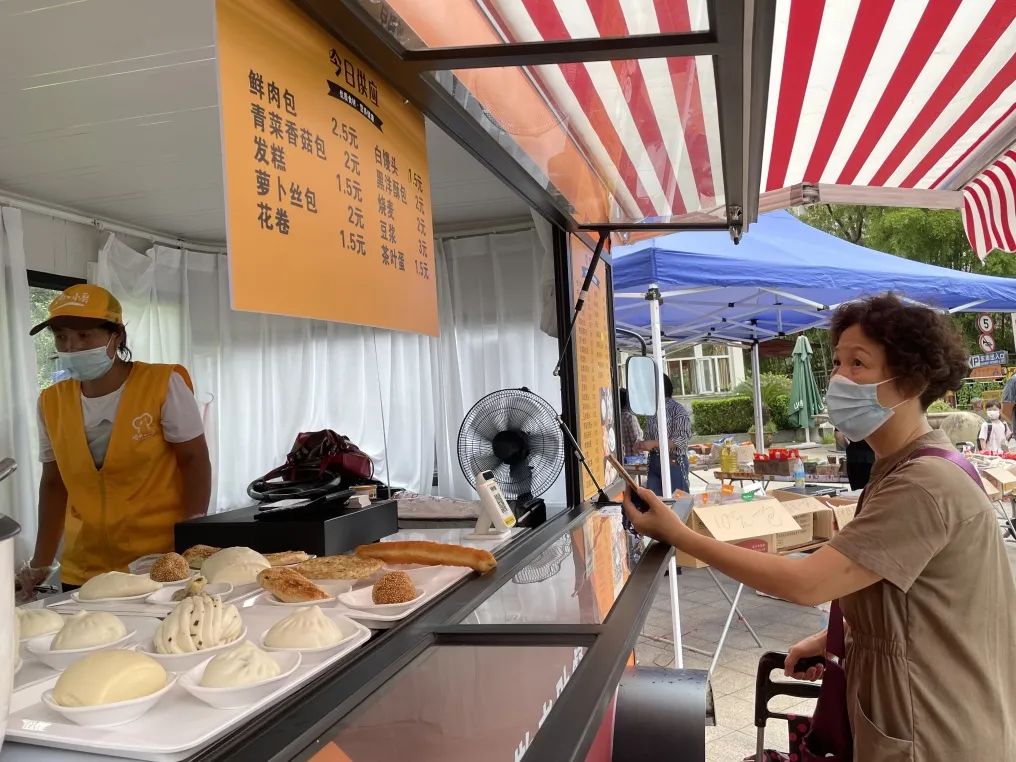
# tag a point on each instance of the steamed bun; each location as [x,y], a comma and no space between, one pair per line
[35,622]
[196,624]
[240,667]
[116,584]
[88,629]
[307,628]
[107,677]
[238,566]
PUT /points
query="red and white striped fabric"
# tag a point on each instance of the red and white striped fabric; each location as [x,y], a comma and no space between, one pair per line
[989,207]
[878,93]
[649,127]
[889,94]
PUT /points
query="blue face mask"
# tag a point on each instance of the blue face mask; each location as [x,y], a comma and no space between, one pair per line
[854,408]
[86,365]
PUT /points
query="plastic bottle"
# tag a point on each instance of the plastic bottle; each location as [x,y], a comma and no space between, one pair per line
[797,469]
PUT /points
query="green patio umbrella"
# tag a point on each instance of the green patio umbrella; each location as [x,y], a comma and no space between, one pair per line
[805,401]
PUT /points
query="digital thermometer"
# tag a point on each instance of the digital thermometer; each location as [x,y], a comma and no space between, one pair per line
[496,516]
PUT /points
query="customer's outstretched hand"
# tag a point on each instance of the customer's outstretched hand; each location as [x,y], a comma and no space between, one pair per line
[659,522]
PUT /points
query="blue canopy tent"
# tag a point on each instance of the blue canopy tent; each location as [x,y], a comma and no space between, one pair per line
[783,278]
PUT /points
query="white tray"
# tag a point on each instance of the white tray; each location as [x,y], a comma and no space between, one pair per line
[433,580]
[177,726]
[143,607]
[33,671]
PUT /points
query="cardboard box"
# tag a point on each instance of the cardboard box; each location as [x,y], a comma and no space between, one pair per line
[843,510]
[993,492]
[814,518]
[1003,479]
[755,524]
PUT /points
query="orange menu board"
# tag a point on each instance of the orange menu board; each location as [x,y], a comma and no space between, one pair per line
[327,189]
[594,380]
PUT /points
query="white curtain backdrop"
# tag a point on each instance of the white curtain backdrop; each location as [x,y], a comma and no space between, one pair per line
[262,379]
[18,386]
[490,291]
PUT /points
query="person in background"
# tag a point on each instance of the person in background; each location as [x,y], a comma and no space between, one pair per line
[122,446]
[631,431]
[860,459]
[678,434]
[921,573]
[995,433]
[1009,401]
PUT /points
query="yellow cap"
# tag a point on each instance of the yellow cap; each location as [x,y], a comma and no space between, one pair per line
[83,301]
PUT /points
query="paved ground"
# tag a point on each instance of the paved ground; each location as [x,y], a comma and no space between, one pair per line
[703,612]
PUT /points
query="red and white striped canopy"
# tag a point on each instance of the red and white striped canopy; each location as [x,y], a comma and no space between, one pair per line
[989,207]
[888,94]
[904,94]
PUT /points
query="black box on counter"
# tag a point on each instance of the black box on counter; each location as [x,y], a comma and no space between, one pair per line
[324,531]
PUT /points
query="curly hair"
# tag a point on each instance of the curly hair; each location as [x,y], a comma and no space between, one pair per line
[923,348]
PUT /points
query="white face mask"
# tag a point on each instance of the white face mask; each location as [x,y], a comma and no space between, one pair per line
[854,408]
[994,415]
[85,365]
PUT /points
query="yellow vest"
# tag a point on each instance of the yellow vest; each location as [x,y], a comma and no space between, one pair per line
[129,507]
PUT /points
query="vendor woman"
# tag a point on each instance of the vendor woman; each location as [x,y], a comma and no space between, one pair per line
[122,446]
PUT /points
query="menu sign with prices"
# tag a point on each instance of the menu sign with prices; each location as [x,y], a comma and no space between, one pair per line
[594,379]
[327,186]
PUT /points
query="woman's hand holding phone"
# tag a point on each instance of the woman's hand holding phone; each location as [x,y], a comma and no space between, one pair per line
[658,520]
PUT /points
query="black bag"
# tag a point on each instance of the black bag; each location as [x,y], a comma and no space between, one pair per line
[320,462]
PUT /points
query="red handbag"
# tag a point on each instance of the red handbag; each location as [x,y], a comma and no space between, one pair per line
[830,737]
[319,462]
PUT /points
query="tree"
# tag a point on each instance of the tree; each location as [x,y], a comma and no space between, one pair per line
[934,236]
[45,350]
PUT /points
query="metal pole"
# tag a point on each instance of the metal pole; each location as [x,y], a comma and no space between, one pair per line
[756,381]
[653,297]
[740,614]
[726,629]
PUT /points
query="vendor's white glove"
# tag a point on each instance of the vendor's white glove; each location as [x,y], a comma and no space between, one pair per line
[30,577]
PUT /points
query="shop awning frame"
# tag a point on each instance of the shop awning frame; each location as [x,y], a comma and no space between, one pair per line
[741,64]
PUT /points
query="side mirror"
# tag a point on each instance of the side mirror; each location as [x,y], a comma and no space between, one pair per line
[642,385]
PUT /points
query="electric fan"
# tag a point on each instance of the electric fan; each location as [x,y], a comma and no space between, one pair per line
[513,437]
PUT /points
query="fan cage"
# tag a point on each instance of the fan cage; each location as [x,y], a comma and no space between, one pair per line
[526,413]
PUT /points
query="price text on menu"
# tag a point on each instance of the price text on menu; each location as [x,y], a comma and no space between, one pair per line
[327,186]
[594,379]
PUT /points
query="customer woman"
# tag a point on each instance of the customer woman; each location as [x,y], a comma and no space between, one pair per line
[122,446]
[921,573]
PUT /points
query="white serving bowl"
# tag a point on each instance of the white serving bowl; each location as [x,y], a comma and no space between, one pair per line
[121,599]
[183,662]
[362,599]
[40,649]
[238,698]
[317,655]
[23,642]
[107,715]
[163,596]
[332,588]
